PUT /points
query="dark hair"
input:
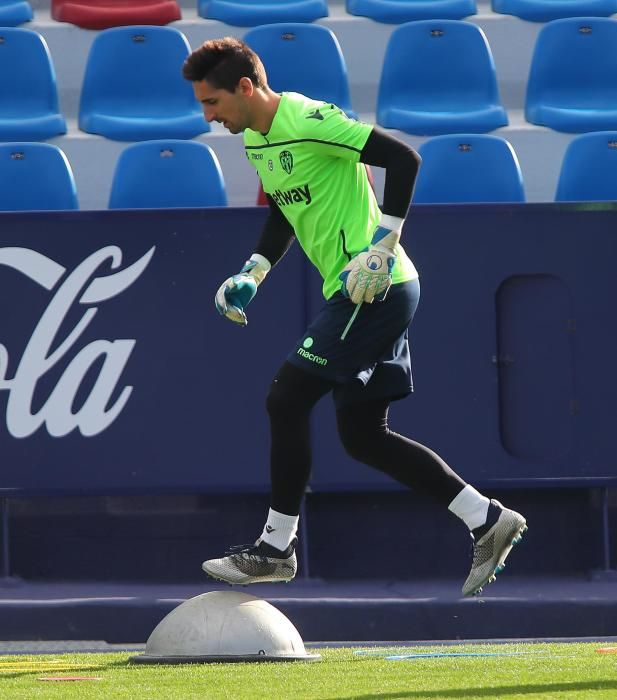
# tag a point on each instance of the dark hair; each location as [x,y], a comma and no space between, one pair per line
[222,62]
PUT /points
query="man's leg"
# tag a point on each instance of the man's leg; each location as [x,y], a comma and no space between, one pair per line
[293,393]
[364,432]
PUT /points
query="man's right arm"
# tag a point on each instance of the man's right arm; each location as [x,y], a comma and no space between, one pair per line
[236,292]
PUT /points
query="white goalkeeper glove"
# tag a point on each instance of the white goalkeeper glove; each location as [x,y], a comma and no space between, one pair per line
[236,292]
[368,275]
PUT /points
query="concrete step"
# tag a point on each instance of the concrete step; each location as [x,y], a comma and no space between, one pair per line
[513,608]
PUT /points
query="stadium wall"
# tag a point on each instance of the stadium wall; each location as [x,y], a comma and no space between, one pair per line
[119,381]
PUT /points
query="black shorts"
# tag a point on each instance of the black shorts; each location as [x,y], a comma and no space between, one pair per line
[373,361]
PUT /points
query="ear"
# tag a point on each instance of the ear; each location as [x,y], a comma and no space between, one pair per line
[245,87]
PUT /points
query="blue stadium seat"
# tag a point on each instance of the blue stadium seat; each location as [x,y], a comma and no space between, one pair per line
[133,88]
[35,176]
[305,58]
[589,169]
[399,11]
[167,173]
[251,13]
[28,91]
[548,10]
[14,12]
[438,77]
[572,85]
[465,168]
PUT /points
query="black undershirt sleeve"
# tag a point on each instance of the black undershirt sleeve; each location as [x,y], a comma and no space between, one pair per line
[277,235]
[401,163]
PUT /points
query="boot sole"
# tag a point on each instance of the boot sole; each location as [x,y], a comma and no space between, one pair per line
[249,582]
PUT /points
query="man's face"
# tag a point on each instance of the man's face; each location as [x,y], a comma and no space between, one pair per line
[231,109]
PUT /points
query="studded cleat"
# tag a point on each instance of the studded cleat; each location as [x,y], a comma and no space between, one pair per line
[492,544]
[254,563]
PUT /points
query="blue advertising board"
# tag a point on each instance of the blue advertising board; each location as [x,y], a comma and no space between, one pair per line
[118,375]
[116,372]
[513,347]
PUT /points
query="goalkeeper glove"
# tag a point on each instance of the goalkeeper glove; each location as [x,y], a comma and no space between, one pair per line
[368,275]
[236,292]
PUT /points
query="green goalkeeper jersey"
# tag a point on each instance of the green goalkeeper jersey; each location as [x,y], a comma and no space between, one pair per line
[309,164]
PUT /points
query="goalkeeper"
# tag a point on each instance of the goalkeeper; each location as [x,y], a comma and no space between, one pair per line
[311,160]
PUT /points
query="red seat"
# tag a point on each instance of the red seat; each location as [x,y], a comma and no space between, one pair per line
[102,14]
[261,196]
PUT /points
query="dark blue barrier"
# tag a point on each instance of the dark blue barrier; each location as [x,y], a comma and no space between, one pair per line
[116,373]
[513,347]
[194,419]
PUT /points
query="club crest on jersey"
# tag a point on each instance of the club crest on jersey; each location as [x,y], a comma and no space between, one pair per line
[287,161]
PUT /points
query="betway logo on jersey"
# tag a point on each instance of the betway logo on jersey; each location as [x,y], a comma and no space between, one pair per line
[292,196]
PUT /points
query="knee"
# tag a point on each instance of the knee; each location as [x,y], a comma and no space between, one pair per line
[277,400]
[293,393]
[282,401]
[360,440]
[352,442]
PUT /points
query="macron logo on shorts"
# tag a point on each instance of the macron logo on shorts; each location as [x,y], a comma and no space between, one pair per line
[303,352]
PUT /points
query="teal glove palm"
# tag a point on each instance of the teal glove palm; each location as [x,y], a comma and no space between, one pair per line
[368,275]
[237,292]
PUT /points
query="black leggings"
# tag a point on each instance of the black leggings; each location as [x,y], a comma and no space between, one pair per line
[363,429]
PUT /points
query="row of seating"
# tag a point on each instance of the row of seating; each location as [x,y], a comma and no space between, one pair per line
[151,174]
[103,14]
[466,168]
[457,168]
[133,89]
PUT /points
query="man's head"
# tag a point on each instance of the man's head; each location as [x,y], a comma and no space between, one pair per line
[226,74]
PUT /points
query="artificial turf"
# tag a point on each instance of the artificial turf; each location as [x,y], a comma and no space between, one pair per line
[518,670]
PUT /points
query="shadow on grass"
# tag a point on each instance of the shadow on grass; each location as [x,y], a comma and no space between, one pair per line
[497,691]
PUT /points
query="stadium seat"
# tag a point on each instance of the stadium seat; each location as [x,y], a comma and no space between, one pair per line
[589,169]
[14,12]
[548,10]
[28,90]
[251,13]
[167,173]
[399,11]
[572,84]
[102,14]
[305,58]
[465,168]
[133,88]
[35,176]
[438,77]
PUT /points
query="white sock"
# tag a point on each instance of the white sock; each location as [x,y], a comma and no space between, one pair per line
[280,529]
[470,506]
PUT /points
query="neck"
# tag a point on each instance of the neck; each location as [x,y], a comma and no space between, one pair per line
[265,106]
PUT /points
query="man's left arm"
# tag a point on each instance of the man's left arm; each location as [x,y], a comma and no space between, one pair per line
[368,276]
[401,163]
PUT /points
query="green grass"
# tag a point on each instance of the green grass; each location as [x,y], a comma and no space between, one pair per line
[544,671]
